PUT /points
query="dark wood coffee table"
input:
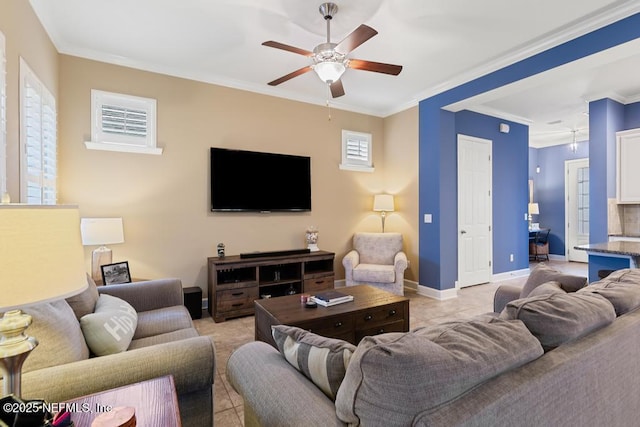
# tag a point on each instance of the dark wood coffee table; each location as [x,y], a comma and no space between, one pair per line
[373,311]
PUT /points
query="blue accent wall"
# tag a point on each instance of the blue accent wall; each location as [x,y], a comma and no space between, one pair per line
[437,160]
[549,187]
[632,116]
[510,164]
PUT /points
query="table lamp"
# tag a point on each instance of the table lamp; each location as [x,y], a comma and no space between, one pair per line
[383,203]
[101,232]
[41,260]
[533,210]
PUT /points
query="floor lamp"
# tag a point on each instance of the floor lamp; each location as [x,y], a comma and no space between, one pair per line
[383,203]
[41,260]
[101,232]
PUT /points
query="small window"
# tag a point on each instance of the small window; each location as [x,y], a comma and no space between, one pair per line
[3,119]
[38,140]
[356,151]
[123,123]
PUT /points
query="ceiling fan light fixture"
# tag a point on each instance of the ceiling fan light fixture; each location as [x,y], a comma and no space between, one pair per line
[329,71]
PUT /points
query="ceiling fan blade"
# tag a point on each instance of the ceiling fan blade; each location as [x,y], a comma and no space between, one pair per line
[378,67]
[337,90]
[286,47]
[355,39]
[291,75]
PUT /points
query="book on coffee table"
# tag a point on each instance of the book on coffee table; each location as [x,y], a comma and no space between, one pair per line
[329,298]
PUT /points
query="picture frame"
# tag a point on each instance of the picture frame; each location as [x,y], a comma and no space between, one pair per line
[116,273]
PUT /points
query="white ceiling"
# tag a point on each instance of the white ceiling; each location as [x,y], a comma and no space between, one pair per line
[440,43]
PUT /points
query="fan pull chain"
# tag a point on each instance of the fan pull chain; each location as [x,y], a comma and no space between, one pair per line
[328,104]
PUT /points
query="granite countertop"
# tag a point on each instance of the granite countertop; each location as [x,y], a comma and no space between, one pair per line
[616,248]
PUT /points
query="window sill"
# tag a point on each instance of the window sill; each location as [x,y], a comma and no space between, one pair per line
[122,148]
[356,168]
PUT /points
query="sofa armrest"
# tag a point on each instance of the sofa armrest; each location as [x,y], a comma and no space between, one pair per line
[504,295]
[274,392]
[191,362]
[148,295]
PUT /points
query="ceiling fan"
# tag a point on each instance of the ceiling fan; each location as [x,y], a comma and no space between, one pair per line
[330,59]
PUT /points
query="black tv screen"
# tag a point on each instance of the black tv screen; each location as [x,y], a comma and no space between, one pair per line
[260,182]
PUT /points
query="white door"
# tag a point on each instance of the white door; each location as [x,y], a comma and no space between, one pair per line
[577,208]
[475,247]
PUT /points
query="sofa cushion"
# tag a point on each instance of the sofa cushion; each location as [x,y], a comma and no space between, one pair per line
[542,273]
[377,273]
[558,318]
[395,376]
[162,321]
[110,328]
[621,288]
[181,334]
[59,336]
[323,360]
[84,302]
[552,287]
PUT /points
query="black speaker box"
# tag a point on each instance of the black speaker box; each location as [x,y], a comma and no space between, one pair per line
[193,301]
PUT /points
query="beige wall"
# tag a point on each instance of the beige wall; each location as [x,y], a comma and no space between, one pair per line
[163,200]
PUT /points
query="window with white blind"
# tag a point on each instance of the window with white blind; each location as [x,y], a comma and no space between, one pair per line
[356,151]
[38,140]
[123,123]
[3,118]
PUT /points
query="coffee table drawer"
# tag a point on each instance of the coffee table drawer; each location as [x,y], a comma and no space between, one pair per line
[397,326]
[318,284]
[333,327]
[380,315]
[236,299]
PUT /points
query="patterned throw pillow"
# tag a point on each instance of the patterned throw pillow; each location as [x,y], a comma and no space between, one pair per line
[111,327]
[323,360]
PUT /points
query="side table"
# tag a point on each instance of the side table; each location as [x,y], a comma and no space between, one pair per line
[155,402]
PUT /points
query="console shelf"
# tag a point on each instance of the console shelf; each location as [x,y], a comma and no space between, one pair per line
[235,282]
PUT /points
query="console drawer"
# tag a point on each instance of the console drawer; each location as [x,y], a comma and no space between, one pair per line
[380,315]
[318,284]
[236,299]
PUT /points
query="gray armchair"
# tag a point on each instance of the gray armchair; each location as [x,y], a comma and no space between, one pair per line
[377,259]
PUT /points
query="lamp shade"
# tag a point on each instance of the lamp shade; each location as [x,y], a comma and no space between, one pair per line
[329,71]
[383,202]
[41,255]
[533,209]
[101,231]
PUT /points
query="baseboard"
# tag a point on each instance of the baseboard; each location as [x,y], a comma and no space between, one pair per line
[437,294]
[508,275]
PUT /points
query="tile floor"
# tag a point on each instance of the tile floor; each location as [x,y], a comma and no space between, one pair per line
[424,311]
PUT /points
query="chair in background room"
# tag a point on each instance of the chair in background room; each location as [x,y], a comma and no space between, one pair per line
[539,246]
[377,259]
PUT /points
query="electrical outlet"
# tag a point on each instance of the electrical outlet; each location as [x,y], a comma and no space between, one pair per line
[511,257]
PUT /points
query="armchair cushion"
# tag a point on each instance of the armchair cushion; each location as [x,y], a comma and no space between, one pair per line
[374,273]
[111,327]
[377,248]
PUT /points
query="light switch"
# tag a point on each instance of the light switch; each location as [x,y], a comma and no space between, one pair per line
[427,218]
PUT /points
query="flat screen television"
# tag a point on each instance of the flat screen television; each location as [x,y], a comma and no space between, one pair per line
[259,182]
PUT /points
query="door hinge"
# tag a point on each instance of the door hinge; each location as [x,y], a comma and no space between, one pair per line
[489,263]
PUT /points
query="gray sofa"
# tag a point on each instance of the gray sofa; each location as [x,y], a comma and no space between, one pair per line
[164,342]
[549,359]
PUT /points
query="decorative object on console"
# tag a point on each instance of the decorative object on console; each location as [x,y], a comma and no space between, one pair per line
[113,274]
[311,236]
[383,203]
[102,232]
[41,255]
[220,250]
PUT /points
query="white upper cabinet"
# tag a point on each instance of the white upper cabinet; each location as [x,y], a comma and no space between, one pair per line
[628,166]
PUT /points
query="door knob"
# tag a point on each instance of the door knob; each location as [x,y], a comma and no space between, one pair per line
[463,232]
